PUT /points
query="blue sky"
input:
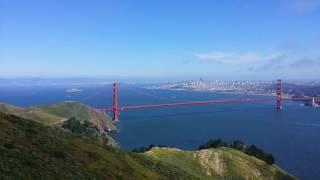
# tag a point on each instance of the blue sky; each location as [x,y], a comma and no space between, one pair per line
[164,39]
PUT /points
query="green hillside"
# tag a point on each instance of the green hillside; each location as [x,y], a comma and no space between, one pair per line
[6,108]
[81,112]
[34,114]
[31,150]
[67,109]
[56,114]
[218,163]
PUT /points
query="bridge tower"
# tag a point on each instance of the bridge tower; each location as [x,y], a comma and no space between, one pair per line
[279,95]
[115,103]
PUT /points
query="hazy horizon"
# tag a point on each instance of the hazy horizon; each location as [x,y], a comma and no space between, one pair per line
[108,80]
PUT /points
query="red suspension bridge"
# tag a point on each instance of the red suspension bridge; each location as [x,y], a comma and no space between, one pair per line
[116,108]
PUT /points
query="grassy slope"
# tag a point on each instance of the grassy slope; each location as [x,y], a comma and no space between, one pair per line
[67,110]
[42,117]
[6,108]
[58,113]
[34,114]
[218,163]
[81,112]
[31,150]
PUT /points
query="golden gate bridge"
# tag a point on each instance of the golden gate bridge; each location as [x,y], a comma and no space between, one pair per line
[279,99]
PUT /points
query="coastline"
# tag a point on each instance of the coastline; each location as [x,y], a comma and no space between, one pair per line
[212,91]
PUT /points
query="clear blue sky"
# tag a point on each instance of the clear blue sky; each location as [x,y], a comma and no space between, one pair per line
[160,39]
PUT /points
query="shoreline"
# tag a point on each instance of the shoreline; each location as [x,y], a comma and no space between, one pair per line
[211,91]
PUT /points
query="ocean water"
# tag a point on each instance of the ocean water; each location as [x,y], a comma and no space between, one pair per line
[292,135]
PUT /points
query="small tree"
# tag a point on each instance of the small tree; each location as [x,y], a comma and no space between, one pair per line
[85,129]
[258,153]
[73,125]
[214,143]
[239,145]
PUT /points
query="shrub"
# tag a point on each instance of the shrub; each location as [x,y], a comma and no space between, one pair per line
[258,153]
[86,129]
[59,154]
[144,149]
[238,144]
[213,143]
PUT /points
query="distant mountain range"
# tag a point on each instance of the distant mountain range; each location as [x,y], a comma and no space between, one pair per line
[53,81]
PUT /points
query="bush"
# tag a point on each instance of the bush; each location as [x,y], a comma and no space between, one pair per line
[239,145]
[59,154]
[258,153]
[144,149]
[85,129]
[213,143]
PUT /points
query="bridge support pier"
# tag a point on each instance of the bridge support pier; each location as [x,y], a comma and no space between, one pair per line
[115,103]
[313,102]
[279,95]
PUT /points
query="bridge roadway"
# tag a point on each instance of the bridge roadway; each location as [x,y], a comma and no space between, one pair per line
[189,103]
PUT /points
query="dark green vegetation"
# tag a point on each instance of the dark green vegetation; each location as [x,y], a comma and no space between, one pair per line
[31,150]
[145,149]
[86,129]
[258,153]
[251,150]
[76,126]
[76,149]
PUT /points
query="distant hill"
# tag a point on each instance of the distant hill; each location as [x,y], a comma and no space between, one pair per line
[81,112]
[7,108]
[34,114]
[32,150]
[57,114]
